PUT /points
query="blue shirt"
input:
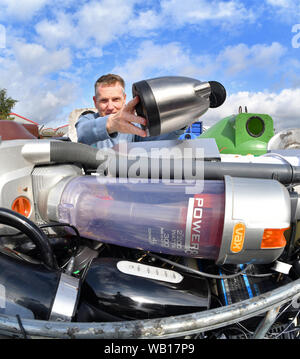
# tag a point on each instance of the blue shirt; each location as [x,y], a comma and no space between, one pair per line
[91,130]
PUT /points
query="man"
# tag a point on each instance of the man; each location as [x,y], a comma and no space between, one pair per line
[115,121]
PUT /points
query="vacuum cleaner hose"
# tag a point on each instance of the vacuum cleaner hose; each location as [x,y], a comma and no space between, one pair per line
[211,170]
[63,152]
[283,173]
[91,158]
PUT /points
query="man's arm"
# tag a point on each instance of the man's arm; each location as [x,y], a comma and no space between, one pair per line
[91,129]
[174,135]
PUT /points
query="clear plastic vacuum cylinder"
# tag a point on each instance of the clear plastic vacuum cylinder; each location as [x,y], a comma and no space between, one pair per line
[151,216]
[237,220]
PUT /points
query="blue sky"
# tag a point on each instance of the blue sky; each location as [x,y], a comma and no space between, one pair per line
[51,52]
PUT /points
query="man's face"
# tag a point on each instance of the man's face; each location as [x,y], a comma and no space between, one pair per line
[109,99]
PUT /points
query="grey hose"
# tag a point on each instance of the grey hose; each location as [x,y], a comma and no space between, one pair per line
[210,170]
[66,152]
[91,158]
[61,152]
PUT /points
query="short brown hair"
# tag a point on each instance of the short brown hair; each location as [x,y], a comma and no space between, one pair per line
[109,79]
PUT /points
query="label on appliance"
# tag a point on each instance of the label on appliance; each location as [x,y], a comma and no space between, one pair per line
[238,236]
[193,224]
[150,272]
[169,238]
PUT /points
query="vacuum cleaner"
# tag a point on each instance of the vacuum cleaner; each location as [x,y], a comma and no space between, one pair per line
[82,244]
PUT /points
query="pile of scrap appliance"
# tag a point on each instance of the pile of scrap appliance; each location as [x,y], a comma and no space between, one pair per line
[163,239]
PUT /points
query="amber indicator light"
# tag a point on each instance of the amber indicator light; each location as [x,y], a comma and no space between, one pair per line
[273,238]
[22,205]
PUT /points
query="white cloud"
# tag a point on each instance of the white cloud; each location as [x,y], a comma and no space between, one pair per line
[151,59]
[242,57]
[283,107]
[45,104]
[143,22]
[281,3]
[103,21]
[286,10]
[35,59]
[95,23]
[40,99]
[26,70]
[195,11]
[58,32]
[20,10]
[98,23]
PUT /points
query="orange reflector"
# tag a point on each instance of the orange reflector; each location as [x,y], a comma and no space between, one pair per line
[22,205]
[273,238]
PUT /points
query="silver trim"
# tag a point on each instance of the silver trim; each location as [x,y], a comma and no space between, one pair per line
[258,204]
[37,152]
[188,224]
[65,301]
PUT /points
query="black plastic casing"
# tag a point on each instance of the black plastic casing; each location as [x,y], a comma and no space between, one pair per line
[147,107]
[108,294]
[28,289]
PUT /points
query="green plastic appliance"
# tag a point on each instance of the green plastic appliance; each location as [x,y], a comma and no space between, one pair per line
[245,133]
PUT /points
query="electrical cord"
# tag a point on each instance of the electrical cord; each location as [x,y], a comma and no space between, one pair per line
[31,230]
[209,275]
[245,329]
[254,275]
[260,275]
[295,329]
[194,271]
[283,310]
[61,225]
[284,331]
[50,225]
[23,257]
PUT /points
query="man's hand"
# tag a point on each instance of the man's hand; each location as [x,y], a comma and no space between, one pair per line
[124,120]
